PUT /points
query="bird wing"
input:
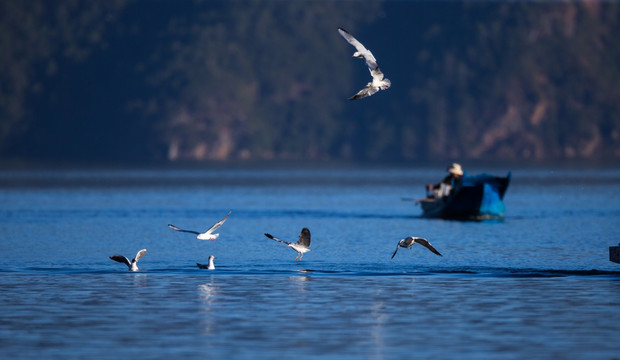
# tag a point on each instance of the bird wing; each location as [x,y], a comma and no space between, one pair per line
[427,245]
[370,59]
[395,251]
[218,224]
[276,239]
[304,238]
[365,92]
[139,255]
[376,74]
[121,259]
[179,229]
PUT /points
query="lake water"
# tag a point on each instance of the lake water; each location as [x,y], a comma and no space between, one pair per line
[537,284]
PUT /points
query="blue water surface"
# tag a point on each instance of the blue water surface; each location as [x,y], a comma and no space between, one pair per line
[536,284]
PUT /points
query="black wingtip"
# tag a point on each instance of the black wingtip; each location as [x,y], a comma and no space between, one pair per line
[269,236]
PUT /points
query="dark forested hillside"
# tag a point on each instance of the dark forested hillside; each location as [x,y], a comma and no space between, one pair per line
[137,80]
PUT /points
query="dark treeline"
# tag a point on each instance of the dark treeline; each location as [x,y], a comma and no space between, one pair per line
[137,80]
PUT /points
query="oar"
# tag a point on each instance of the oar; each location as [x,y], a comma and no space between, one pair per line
[417,201]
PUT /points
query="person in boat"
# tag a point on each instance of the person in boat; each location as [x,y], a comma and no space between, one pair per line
[453,180]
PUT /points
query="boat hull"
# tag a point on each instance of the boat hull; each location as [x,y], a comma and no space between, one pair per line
[614,254]
[479,197]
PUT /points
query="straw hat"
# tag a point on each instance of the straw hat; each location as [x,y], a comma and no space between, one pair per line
[455,169]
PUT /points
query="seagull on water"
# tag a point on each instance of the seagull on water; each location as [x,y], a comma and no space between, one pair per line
[301,246]
[408,242]
[207,235]
[211,265]
[378,81]
[133,264]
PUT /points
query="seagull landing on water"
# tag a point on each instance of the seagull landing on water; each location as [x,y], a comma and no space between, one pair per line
[301,246]
[207,235]
[378,81]
[211,265]
[408,242]
[133,264]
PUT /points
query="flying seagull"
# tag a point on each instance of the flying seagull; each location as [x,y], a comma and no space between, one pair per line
[207,235]
[301,246]
[133,264]
[408,242]
[378,81]
[211,265]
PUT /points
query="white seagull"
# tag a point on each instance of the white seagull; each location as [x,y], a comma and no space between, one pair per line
[211,265]
[301,246]
[133,264]
[207,235]
[378,81]
[408,242]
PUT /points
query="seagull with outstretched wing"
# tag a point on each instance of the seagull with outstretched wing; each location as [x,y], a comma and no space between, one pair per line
[302,245]
[207,235]
[379,82]
[411,240]
[133,264]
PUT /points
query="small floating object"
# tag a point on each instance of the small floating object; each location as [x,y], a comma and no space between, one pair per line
[614,254]
[210,266]
[133,264]
[479,197]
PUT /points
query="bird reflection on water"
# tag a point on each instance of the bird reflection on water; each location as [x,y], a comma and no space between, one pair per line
[207,294]
[139,280]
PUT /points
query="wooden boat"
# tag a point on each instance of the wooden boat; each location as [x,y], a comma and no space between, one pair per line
[476,198]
